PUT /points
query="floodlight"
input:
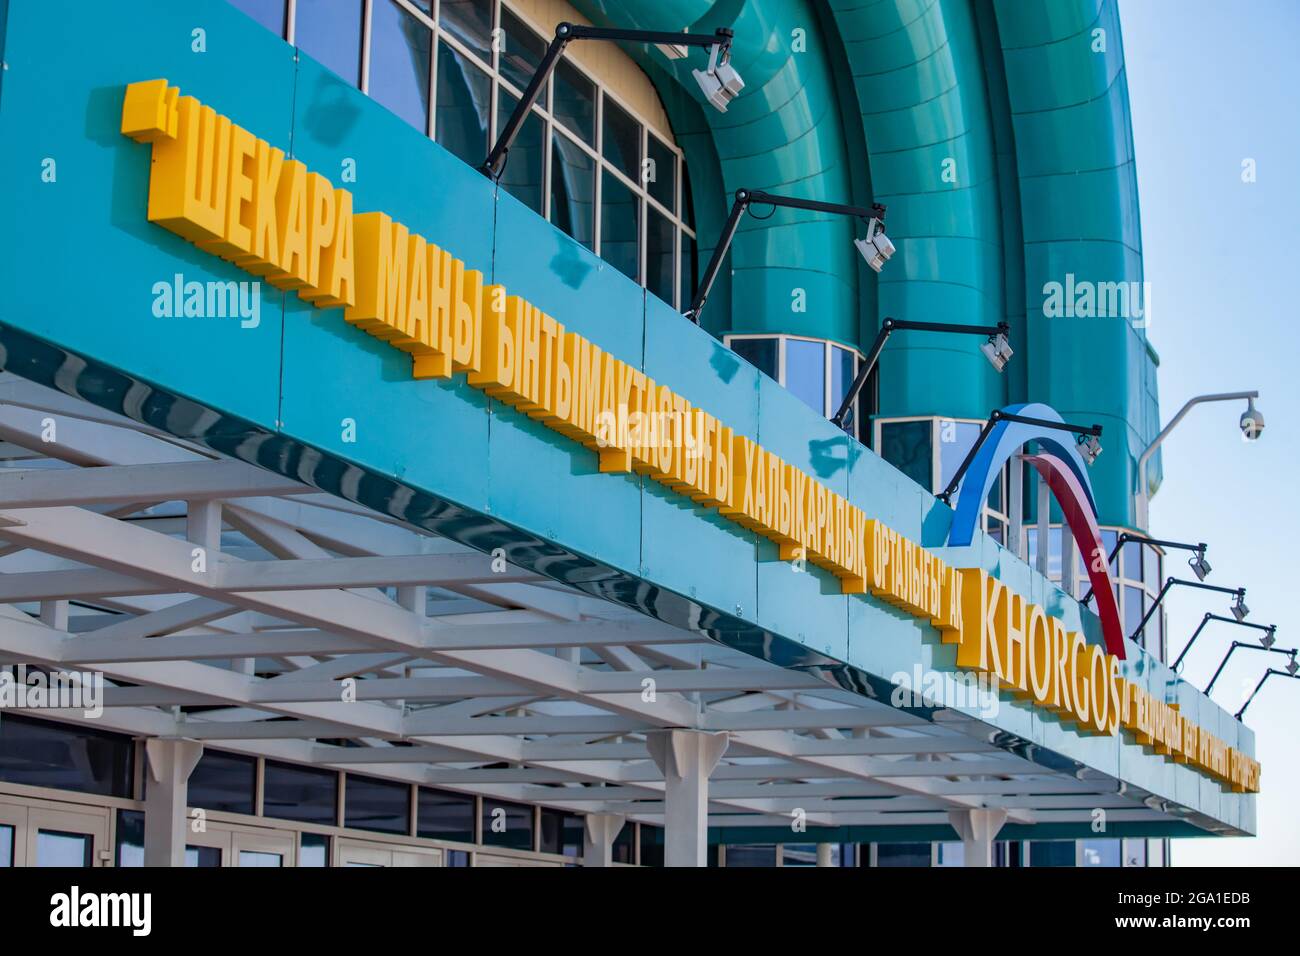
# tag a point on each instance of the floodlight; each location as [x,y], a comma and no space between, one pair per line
[876,248]
[719,81]
[1089,447]
[1199,565]
[1269,638]
[998,351]
[1239,609]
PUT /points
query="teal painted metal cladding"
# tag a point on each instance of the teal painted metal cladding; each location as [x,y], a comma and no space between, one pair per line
[999,136]
[78,264]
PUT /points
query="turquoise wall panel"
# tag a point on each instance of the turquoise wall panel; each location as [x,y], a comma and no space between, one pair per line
[80,260]
[431,433]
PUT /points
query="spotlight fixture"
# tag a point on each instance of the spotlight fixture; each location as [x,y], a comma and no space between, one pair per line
[1239,609]
[1197,562]
[1267,641]
[998,351]
[719,82]
[998,415]
[1290,652]
[876,248]
[1089,447]
[843,418]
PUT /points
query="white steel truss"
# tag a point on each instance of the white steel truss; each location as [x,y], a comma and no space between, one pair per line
[230,605]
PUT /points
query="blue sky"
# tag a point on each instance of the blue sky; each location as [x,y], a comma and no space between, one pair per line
[1212,84]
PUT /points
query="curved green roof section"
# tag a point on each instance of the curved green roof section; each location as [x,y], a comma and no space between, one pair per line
[998,134]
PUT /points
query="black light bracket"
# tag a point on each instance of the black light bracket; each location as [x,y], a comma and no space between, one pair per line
[1288,651]
[997,415]
[1240,593]
[1271,672]
[843,418]
[749,197]
[565,33]
[1126,537]
[1266,640]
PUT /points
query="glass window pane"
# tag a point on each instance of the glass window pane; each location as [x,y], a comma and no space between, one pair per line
[223,781]
[951,854]
[955,440]
[652,845]
[751,855]
[1051,853]
[329,31]
[659,254]
[130,838]
[1109,539]
[575,101]
[1151,570]
[1100,853]
[58,848]
[381,805]
[470,22]
[202,856]
[1134,608]
[661,172]
[445,816]
[400,59]
[7,845]
[573,190]
[759,352]
[521,52]
[805,372]
[522,177]
[305,794]
[571,835]
[688,202]
[550,837]
[620,227]
[625,844]
[906,446]
[41,754]
[902,854]
[622,140]
[260,858]
[314,850]
[464,100]
[843,368]
[1131,561]
[269,13]
[1054,556]
[690,271]
[507,824]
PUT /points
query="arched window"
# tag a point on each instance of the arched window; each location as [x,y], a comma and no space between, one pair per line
[596,157]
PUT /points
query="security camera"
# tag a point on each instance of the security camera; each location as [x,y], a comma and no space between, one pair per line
[1252,422]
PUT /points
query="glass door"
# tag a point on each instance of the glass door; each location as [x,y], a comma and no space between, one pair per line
[65,837]
[357,853]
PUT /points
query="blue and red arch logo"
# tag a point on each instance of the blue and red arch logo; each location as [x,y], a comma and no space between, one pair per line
[1062,467]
